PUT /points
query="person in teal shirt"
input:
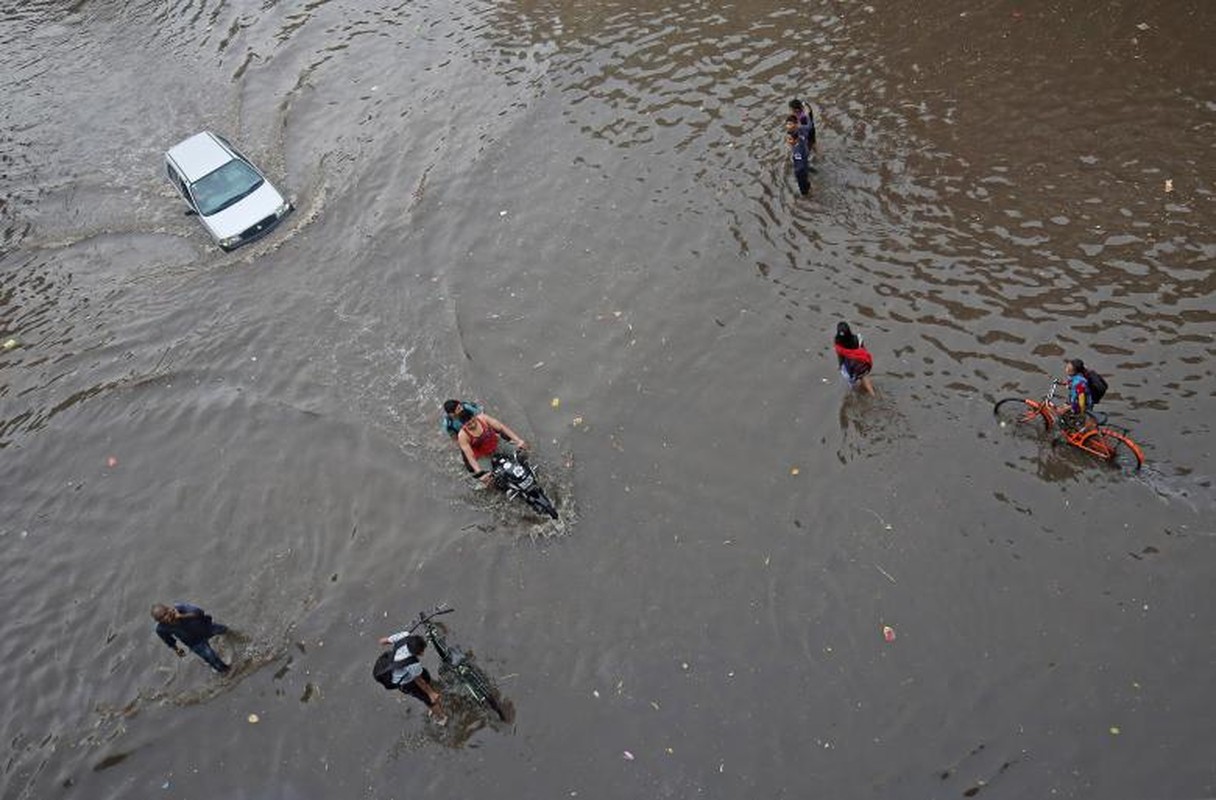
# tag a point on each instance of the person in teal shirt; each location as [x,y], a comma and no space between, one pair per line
[451,415]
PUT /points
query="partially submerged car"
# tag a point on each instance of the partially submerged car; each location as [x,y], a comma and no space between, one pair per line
[233,199]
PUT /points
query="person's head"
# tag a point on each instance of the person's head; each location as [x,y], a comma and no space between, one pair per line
[464,415]
[415,644]
[163,613]
[791,122]
[1074,366]
[791,138]
[796,106]
[844,336]
[450,406]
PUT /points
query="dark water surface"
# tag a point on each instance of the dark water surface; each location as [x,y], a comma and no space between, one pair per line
[520,202]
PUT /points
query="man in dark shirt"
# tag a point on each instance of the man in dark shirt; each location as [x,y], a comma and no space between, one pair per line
[801,158]
[192,627]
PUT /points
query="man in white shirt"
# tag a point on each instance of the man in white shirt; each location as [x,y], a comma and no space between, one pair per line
[403,670]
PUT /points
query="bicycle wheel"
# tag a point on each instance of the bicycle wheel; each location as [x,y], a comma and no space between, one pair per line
[1022,415]
[480,688]
[1121,451]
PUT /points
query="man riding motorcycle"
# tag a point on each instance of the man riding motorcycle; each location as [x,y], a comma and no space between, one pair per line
[479,437]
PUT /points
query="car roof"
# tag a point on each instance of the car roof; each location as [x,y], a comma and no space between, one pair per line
[199,155]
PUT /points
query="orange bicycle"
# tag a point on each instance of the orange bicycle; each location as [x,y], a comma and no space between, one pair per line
[1095,437]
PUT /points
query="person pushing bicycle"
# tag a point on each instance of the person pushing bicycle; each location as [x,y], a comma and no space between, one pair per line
[401,668]
[1072,416]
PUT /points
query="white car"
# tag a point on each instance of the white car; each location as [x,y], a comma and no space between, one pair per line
[232,198]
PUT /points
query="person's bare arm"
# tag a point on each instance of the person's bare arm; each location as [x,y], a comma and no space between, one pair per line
[511,435]
[466,449]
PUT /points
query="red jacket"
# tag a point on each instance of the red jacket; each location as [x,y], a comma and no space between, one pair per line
[856,355]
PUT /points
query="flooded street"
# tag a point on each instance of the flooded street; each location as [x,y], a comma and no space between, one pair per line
[583,216]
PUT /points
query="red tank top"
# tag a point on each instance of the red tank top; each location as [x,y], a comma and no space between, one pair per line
[485,444]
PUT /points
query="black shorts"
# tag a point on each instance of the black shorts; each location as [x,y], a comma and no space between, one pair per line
[412,689]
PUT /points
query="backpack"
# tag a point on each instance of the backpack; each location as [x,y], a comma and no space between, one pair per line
[1097,386]
[382,670]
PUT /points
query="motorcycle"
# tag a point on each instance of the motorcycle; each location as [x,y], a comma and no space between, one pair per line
[513,474]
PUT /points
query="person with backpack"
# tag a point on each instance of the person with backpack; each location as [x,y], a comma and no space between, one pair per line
[1085,389]
[854,359]
[401,669]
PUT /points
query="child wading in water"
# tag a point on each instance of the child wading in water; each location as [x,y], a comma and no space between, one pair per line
[855,360]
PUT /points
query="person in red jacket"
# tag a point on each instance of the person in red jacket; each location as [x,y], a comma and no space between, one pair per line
[854,359]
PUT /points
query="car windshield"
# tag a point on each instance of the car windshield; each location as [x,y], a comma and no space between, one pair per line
[217,190]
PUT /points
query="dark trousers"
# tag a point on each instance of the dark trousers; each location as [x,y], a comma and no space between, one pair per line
[203,650]
[411,688]
[804,180]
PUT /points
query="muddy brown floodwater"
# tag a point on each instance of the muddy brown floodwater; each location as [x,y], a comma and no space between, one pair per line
[582,215]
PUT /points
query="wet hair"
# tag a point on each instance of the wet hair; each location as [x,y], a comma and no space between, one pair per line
[845,336]
[159,610]
[792,119]
[415,644]
[465,415]
[796,104]
[450,406]
[1078,366]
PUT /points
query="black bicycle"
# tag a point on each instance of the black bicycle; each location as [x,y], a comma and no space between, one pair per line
[457,663]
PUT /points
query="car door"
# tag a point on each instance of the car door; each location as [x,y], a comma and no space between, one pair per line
[179,183]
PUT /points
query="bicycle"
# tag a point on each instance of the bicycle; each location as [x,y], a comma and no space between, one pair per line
[1094,436]
[456,662]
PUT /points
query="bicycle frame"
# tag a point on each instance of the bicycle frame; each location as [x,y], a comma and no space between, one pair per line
[433,635]
[454,659]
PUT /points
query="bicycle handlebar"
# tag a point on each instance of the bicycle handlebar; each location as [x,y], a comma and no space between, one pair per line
[424,617]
